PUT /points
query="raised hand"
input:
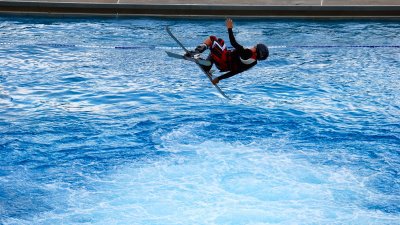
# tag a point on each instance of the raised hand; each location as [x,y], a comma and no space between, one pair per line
[229,23]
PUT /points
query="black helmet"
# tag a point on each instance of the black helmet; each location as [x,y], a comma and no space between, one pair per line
[262,52]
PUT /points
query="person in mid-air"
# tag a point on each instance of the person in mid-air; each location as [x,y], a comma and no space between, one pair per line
[230,61]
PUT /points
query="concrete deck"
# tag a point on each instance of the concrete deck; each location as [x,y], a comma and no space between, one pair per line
[213,8]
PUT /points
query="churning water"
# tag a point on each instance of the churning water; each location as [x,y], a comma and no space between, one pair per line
[94,134]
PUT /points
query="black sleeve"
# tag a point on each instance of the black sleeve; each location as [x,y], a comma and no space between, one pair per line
[228,74]
[239,48]
[233,73]
[232,39]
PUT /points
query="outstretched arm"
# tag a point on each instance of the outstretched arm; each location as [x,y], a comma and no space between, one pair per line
[232,73]
[229,25]
[224,76]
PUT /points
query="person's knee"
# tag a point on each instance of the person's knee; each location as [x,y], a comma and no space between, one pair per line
[209,41]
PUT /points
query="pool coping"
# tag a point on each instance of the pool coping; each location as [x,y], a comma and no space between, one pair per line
[200,10]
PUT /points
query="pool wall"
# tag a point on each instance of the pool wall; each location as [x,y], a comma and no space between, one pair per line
[214,8]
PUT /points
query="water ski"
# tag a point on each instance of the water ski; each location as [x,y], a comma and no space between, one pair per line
[195,58]
[199,62]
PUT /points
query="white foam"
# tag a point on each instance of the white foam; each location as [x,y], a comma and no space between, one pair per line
[214,182]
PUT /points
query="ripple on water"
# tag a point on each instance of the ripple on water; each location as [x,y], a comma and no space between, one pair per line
[94,134]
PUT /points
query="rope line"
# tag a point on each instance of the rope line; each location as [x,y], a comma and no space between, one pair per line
[60,45]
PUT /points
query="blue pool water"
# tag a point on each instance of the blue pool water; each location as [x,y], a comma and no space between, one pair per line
[93,134]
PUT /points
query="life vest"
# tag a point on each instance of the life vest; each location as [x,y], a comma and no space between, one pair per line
[220,54]
[250,60]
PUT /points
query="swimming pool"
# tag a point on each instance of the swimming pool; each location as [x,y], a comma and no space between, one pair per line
[94,134]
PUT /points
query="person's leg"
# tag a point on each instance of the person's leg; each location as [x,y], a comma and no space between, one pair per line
[202,47]
[208,42]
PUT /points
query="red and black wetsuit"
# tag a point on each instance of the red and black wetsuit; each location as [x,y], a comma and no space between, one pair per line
[234,61]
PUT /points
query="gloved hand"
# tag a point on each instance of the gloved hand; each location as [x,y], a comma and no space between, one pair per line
[215,81]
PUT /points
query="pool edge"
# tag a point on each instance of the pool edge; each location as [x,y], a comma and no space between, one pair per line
[200,10]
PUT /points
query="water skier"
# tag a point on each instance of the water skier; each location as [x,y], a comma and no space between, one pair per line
[230,61]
